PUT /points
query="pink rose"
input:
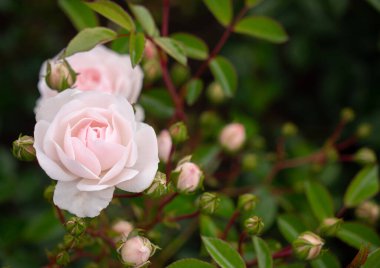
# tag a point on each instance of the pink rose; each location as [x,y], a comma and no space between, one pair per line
[90,142]
[101,69]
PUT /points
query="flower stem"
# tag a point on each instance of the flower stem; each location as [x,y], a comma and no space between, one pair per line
[232,220]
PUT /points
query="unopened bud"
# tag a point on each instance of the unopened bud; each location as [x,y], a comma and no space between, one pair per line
[249,161]
[152,69]
[179,73]
[188,177]
[215,93]
[60,75]
[365,156]
[136,251]
[232,137]
[49,192]
[150,50]
[209,202]
[347,114]
[63,258]
[23,149]
[76,226]
[254,225]
[308,246]
[368,211]
[247,202]
[158,187]
[289,129]
[330,226]
[364,130]
[164,141]
[123,228]
[178,132]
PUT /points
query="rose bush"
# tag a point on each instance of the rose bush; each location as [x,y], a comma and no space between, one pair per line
[90,142]
[100,69]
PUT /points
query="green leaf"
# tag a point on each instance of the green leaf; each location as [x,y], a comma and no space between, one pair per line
[252,3]
[157,103]
[195,47]
[221,9]
[373,259]
[146,20]
[356,234]
[264,257]
[290,227]
[208,227]
[173,48]
[326,260]
[267,207]
[222,252]
[88,39]
[80,15]
[263,28]
[320,200]
[193,91]
[225,74]
[113,12]
[375,4]
[190,263]
[363,186]
[136,47]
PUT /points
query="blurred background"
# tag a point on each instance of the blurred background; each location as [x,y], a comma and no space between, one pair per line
[331,61]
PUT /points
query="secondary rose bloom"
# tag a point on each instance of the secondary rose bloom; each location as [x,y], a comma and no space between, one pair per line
[103,70]
[90,142]
[136,251]
[232,136]
[190,177]
[164,145]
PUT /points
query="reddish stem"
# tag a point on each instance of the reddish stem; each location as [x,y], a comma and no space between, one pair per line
[231,222]
[127,195]
[347,143]
[61,217]
[165,17]
[346,158]
[101,235]
[242,237]
[184,217]
[169,164]
[341,212]
[283,253]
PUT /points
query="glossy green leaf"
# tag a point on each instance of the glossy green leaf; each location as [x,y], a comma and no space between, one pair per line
[173,48]
[252,3]
[190,263]
[373,259]
[79,14]
[263,28]
[113,12]
[356,234]
[225,74]
[320,200]
[136,47]
[208,227]
[290,227]
[193,91]
[363,186]
[145,18]
[195,47]
[221,9]
[326,260]
[157,103]
[88,39]
[264,256]
[223,253]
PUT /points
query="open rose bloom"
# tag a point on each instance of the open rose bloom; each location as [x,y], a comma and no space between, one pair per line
[90,142]
[103,70]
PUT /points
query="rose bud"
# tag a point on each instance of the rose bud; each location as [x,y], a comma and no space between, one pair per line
[188,177]
[347,114]
[232,137]
[289,129]
[215,93]
[250,162]
[150,50]
[60,75]
[23,149]
[76,226]
[122,227]
[254,225]
[330,226]
[247,202]
[364,130]
[178,132]
[308,246]
[368,211]
[208,202]
[136,251]
[365,156]
[158,187]
[164,145]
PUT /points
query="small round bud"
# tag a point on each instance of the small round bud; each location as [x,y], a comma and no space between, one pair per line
[332,155]
[347,114]
[247,202]
[215,93]
[152,69]
[308,246]
[60,75]
[330,226]
[365,156]
[189,177]
[364,130]
[178,132]
[289,129]
[250,161]
[76,226]
[158,187]
[208,202]
[23,149]
[179,73]
[232,137]
[150,50]
[63,258]
[123,228]
[164,141]
[136,251]
[49,192]
[368,211]
[254,225]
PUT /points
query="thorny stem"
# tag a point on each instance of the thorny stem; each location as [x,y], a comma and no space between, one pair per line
[229,225]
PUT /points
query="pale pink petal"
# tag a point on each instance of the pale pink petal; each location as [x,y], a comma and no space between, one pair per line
[86,157]
[107,153]
[92,185]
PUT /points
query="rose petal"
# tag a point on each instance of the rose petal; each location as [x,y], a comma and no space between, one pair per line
[107,153]
[82,204]
[86,157]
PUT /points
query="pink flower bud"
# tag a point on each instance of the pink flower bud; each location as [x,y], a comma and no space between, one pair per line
[150,50]
[60,75]
[232,136]
[190,177]
[136,251]
[123,228]
[164,145]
